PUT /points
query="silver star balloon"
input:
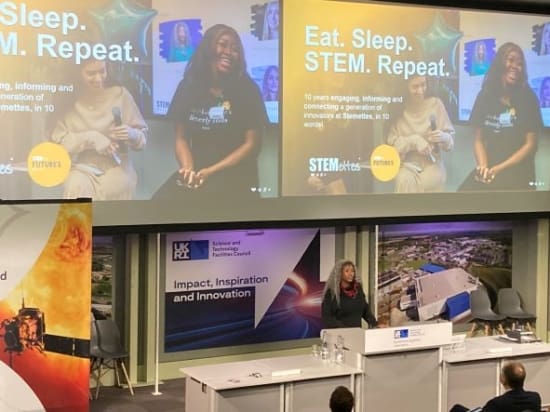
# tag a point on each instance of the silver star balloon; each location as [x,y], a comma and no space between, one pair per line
[440,41]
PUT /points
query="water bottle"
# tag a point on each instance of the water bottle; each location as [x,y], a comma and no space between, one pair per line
[339,356]
[325,351]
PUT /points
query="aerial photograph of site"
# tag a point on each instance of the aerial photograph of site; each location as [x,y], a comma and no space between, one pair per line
[102,274]
[427,270]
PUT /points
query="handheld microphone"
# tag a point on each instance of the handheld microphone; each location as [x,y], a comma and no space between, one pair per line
[117,115]
[433,126]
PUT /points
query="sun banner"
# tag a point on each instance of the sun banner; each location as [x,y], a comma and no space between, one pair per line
[45,271]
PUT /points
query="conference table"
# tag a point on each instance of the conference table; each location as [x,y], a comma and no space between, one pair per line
[423,363]
[279,384]
[471,373]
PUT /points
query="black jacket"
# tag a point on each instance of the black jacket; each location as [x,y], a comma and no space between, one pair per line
[515,400]
[350,311]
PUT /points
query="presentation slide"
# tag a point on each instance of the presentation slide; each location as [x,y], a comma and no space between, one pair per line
[136,100]
[161,110]
[406,99]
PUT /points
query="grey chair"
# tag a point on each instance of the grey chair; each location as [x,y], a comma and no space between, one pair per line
[106,351]
[509,305]
[483,315]
[94,351]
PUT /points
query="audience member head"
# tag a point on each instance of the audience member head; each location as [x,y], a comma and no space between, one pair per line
[341,400]
[513,375]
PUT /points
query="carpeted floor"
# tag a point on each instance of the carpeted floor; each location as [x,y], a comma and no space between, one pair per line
[114,399]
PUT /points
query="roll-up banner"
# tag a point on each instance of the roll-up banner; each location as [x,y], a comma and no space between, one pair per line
[226,288]
[45,270]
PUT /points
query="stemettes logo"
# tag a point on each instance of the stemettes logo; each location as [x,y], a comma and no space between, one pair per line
[332,164]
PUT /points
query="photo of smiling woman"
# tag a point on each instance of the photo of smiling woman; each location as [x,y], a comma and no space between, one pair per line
[219,118]
[506,121]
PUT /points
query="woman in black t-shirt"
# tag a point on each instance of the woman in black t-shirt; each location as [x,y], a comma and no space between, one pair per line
[506,120]
[219,117]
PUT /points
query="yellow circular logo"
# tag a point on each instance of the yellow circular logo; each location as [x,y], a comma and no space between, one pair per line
[385,162]
[48,164]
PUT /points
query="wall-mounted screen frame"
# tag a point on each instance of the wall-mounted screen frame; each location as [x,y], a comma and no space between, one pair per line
[148,156]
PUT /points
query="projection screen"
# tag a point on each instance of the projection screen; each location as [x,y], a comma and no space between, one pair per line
[165,112]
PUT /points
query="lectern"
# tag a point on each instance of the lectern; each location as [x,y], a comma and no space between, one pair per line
[401,365]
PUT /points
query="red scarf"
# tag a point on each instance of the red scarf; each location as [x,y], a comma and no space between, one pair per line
[350,292]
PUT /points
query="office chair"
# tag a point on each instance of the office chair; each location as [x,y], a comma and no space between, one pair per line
[482,314]
[106,350]
[509,305]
